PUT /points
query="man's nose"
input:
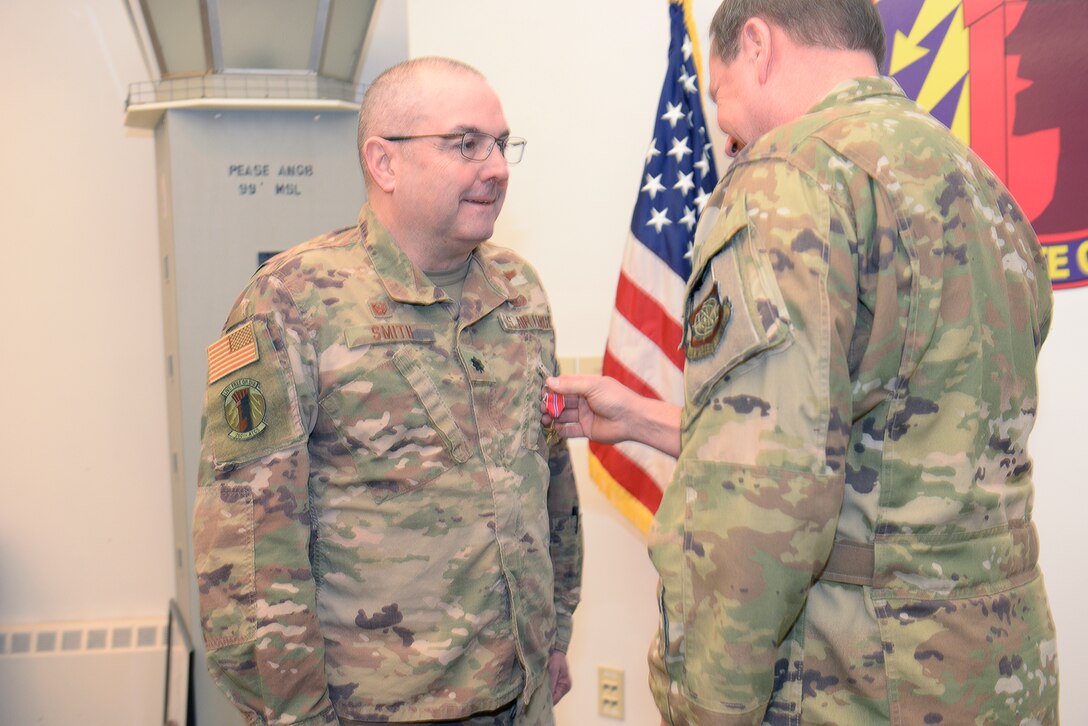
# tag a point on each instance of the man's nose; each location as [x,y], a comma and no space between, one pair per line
[495,166]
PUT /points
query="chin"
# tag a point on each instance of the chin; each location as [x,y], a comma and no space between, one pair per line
[482,236]
[474,235]
[478,228]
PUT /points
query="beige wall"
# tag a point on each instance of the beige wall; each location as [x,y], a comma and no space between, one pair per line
[84,501]
[84,498]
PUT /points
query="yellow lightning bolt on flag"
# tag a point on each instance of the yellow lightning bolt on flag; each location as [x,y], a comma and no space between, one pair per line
[905,48]
[950,65]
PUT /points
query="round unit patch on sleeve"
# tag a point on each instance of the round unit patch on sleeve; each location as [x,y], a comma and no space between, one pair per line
[244,408]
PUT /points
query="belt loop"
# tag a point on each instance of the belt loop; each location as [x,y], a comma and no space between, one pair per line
[850,563]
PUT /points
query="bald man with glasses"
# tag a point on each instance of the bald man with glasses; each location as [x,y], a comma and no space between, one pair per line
[383,530]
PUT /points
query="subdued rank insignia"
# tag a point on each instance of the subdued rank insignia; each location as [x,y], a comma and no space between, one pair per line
[244,408]
[706,323]
[380,309]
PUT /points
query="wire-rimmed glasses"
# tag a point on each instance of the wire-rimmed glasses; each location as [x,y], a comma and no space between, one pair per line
[476,145]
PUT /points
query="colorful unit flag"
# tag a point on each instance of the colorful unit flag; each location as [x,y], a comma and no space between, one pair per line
[644,341]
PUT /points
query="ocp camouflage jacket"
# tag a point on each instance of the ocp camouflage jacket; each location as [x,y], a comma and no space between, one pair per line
[848,538]
[381,528]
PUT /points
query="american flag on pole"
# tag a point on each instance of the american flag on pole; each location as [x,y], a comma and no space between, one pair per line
[644,341]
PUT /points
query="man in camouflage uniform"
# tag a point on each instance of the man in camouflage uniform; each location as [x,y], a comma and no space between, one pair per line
[383,531]
[847,538]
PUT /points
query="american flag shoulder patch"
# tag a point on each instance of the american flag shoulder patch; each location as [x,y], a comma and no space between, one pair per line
[235,349]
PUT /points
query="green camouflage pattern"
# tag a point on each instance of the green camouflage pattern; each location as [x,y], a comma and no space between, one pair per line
[400,542]
[884,300]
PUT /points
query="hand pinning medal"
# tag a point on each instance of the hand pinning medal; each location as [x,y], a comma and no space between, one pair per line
[553,404]
[553,401]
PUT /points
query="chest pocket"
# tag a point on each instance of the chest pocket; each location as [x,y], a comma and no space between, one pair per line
[394,422]
[510,389]
[734,311]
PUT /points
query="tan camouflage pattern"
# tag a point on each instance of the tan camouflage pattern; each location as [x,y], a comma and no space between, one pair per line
[875,383]
[400,542]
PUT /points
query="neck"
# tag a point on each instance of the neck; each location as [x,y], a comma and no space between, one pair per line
[437,262]
[425,252]
[808,74]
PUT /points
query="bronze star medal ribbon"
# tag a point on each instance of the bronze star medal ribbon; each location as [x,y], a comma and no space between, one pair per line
[706,323]
[554,404]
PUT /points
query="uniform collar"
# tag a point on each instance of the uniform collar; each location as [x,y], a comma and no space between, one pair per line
[857,89]
[405,283]
[839,99]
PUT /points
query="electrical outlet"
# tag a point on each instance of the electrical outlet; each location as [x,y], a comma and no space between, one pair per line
[610,692]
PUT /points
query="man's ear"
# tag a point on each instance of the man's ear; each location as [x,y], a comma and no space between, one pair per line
[756,46]
[380,163]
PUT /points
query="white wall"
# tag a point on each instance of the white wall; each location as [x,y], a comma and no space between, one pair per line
[84,493]
[84,500]
[1061,499]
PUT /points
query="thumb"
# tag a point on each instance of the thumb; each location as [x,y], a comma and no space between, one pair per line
[573,385]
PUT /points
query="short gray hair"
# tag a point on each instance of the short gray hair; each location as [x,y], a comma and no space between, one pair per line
[840,24]
[393,99]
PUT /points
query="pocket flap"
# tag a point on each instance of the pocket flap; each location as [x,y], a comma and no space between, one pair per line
[408,363]
[734,310]
[253,411]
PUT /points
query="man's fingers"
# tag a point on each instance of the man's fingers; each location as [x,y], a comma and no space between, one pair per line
[569,414]
[560,689]
[570,385]
[570,430]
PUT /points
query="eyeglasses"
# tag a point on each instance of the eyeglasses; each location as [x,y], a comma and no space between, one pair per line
[476,145]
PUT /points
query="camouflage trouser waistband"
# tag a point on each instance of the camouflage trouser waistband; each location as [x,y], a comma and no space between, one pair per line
[853,563]
[503,716]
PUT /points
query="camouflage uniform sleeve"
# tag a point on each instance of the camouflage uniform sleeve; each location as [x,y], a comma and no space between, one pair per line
[566,541]
[750,517]
[251,527]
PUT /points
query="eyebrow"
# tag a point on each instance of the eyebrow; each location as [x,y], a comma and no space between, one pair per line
[476,129]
